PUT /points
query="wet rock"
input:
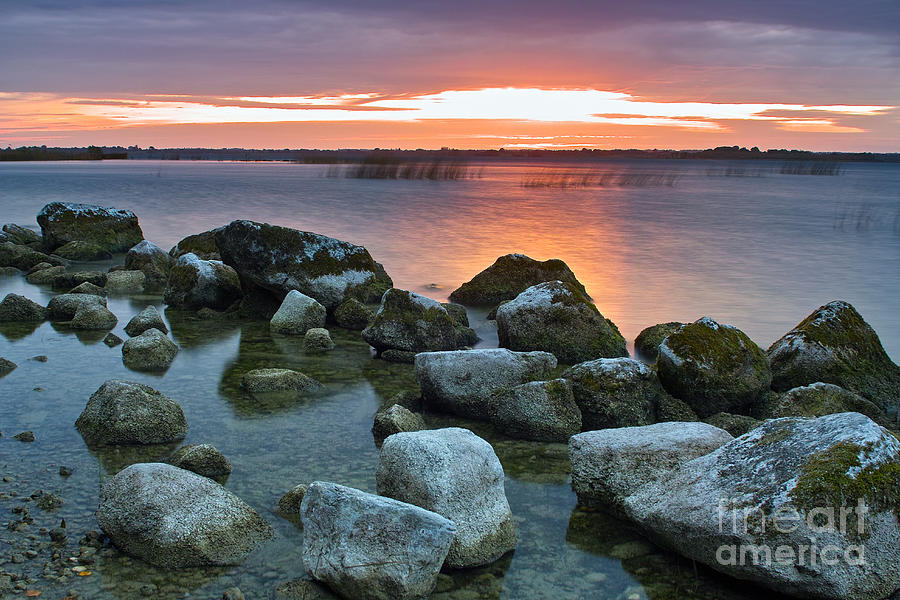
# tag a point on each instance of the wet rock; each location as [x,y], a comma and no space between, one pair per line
[93,317]
[456,474]
[509,276]
[413,323]
[151,260]
[736,425]
[297,314]
[202,459]
[557,317]
[646,344]
[125,282]
[6,366]
[713,367]
[86,287]
[64,306]
[124,412]
[394,420]
[396,549]
[150,351]
[82,251]
[21,235]
[290,503]
[173,518]
[49,276]
[544,411]
[615,392]
[65,471]
[25,436]
[195,283]
[201,244]
[609,465]
[111,229]
[24,258]
[112,340]
[457,312]
[9,272]
[15,308]
[817,400]
[353,314]
[399,356]
[70,280]
[42,358]
[278,380]
[462,382]
[835,345]
[149,318]
[317,341]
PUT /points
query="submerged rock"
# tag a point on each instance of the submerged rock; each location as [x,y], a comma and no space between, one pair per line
[112,340]
[544,411]
[317,341]
[463,382]
[278,380]
[713,367]
[82,251]
[817,400]
[413,323]
[111,229]
[289,505]
[835,345]
[15,308]
[509,276]
[395,419]
[646,344]
[64,306]
[6,366]
[173,518]
[202,459]
[369,547]
[456,474]
[124,412]
[195,283]
[557,317]
[297,314]
[353,314]
[149,351]
[149,318]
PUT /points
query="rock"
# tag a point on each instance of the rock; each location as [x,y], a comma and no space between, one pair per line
[39,267]
[835,345]
[279,259]
[290,503]
[559,318]
[615,392]
[413,323]
[15,308]
[149,318]
[86,287]
[736,425]
[25,436]
[6,367]
[297,314]
[788,489]
[124,412]
[456,474]
[817,400]
[93,317]
[463,382]
[111,229]
[21,235]
[150,351]
[195,283]
[151,260]
[64,306]
[457,312]
[201,244]
[303,589]
[126,282]
[713,367]
[278,380]
[173,518]
[70,280]
[509,276]
[48,276]
[399,356]
[317,341]
[233,593]
[202,459]
[368,547]
[9,272]
[353,314]
[609,465]
[82,251]
[24,258]
[646,344]
[543,411]
[394,420]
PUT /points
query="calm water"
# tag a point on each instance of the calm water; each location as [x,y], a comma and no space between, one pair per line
[659,241]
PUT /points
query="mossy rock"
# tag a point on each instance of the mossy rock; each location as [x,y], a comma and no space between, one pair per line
[713,367]
[736,425]
[112,230]
[672,409]
[835,345]
[16,308]
[20,235]
[817,400]
[25,258]
[201,244]
[194,284]
[646,344]
[353,314]
[509,276]
[82,251]
[150,259]
[412,323]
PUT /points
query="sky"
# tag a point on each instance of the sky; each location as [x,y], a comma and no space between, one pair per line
[819,75]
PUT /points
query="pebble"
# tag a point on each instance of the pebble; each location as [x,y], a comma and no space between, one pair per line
[25,436]
[65,471]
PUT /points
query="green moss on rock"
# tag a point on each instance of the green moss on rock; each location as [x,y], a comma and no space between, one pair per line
[509,276]
[646,344]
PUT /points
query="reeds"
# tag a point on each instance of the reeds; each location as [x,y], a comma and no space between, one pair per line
[816,168]
[387,167]
[580,178]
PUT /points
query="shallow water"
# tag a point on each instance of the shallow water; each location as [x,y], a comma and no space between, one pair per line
[758,251]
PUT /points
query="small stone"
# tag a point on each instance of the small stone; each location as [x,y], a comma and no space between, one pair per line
[394,420]
[149,318]
[317,340]
[39,358]
[290,502]
[65,471]
[278,380]
[398,356]
[112,340]
[25,436]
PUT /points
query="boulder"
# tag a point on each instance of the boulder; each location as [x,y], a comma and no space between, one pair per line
[736,425]
[456,474]
[509,276]
[395,419]
[558,317]
[371,548]
[835,345]
[16,308]
[201,244]
[713,367]
[544,411]
[64,306]
[279,259]
[48,276]
[38,267]
[317,341]
[124,282]
[195,283]
[124,412]
[149,351]
[86,287]
[817,400]
[93,317]
[9,272]
[807,507]
[615,392]
[646,344]
[151,260]
[609,465]
[457,312]
[413,323]
[82,251]
[289,504]
[24,258]
[173,518]
[463,382]
[278,380]
[113,230]
[297,314]
[149,318]
[202,459]
[67,281]
[21,235]
[353,314]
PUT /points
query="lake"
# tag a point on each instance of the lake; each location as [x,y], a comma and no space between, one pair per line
[652,241]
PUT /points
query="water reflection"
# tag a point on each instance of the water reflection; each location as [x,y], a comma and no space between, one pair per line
[112,459]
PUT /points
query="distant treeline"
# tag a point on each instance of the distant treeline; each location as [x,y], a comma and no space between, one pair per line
[45,153]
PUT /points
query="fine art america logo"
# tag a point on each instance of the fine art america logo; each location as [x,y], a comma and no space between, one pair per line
[822,522]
